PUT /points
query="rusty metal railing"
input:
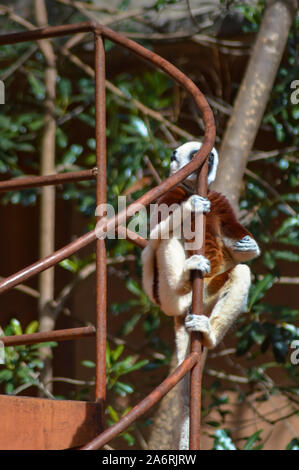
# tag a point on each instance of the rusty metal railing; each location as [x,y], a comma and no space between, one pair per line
[192,363]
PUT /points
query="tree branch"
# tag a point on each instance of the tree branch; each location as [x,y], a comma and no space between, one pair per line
[252,97]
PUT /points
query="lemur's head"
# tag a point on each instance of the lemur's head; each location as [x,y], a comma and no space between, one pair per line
[184,154]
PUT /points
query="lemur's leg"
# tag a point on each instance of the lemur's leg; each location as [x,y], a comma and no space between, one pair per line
[182,338]
[242,250]
[174,286]
[245,249]
[231,302]
[148,259]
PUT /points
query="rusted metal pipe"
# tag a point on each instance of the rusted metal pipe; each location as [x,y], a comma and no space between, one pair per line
[55,335]
[16,184]
[115,223]
[196,344]
[154,193]
[101,197]
[91,236]
[144,405]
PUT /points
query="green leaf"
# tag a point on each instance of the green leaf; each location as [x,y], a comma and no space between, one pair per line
[65,88]
[136,366]
[123,388]
[69,265]
[128,438]
[61,138]
[16,326]
[112,413]
[5,375]
[32,327]
[130,324]
[269,260]
[89,364]
[133,287]
[293,444]
[290,222]
[286,255]
[116,353]
[37,87]
[252,440]
[259,289]
[48,344]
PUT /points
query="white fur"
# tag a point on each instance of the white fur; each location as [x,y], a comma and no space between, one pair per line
[183,153]
[198,262]
[147,257]
[232,298]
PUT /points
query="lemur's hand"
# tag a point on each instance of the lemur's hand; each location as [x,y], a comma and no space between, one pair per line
[199,204]
[202,324]
[245,244]
[198,262]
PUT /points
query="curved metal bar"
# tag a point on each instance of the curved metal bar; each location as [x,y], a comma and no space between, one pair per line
[196,337]
[115,223]
[144,405]
[152,194]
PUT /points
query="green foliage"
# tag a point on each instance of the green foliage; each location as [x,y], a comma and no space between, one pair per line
[223,441]
[252,13]
[114,417]
[22,363]
[293,445]
[116,367]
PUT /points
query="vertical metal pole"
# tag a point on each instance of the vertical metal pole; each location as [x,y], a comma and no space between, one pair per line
[196,345]
[101,276]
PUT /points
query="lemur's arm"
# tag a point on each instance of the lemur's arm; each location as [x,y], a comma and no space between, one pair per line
[236,238]
[182,211]
[173,213]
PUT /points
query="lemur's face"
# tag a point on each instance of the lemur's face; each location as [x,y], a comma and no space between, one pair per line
[184,154]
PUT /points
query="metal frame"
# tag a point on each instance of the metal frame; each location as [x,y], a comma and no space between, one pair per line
[192,363]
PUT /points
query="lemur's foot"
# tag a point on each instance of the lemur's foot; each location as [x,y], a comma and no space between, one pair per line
[199,204]
[202,324]
[246,244]
[199,262]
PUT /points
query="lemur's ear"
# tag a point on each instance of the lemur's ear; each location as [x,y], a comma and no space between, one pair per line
[213,164]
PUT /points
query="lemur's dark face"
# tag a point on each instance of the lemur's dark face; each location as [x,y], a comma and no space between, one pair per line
[184,154]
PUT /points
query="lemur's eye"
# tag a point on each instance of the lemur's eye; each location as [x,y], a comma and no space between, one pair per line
[191,155]
[211,161]
[173,156]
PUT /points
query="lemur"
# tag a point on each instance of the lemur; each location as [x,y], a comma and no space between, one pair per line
[167,265]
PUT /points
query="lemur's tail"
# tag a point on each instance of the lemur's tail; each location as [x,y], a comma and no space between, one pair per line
[182,339]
